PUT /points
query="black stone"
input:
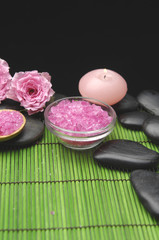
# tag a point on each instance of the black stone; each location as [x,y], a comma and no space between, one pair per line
[32,131]
[149,100]
[55,97]
[126,154]
[10,104]
[133,120]
[146,186]
[151,128]
[58,96]
[127,104]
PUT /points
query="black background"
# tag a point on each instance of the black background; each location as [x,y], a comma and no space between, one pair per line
[68,39]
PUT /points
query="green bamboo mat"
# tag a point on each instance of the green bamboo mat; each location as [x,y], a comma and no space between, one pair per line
[50,192]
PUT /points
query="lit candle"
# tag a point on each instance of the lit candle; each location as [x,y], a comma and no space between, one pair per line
[104,85]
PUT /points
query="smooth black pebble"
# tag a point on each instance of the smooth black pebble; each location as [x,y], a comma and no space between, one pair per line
[151,128]
[126,154]
[133,120]
[58,96]
[55,97]
[127,104]
[10,104]
[149,100]
[32,131]
[146,186]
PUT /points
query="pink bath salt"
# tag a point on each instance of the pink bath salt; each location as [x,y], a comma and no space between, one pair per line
[10,121]
[79,116]
[52,213]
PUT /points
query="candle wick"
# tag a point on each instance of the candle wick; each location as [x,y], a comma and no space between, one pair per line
[104,76]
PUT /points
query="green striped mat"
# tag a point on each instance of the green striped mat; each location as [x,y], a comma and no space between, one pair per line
[50,192]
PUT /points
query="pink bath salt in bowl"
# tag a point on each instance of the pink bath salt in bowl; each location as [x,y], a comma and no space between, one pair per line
[79,116]
[11,123]
[78,122]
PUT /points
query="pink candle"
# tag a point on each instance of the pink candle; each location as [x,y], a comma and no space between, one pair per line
[104,85]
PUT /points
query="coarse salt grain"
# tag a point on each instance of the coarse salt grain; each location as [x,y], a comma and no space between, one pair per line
[79,116]
[10,121]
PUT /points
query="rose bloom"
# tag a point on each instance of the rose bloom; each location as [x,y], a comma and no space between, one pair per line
[32,89]
[5,79]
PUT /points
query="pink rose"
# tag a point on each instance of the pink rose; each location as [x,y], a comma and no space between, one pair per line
[5,79]
[32,89]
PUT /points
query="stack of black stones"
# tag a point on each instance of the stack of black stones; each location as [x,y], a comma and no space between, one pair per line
[142,114]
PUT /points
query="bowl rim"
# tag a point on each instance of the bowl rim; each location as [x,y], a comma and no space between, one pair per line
[97,131]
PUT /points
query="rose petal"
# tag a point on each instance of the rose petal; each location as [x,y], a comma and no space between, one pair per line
[5,79]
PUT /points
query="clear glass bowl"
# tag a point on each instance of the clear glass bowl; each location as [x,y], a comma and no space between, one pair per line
[76,139]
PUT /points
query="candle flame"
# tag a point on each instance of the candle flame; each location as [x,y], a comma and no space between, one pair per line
[105,71]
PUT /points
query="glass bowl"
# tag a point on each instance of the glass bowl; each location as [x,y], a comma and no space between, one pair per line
[80,140]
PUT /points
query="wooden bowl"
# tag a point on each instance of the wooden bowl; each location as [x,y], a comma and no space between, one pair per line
[15,133]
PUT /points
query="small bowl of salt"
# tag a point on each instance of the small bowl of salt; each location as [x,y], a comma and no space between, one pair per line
[79,122]
[12,123]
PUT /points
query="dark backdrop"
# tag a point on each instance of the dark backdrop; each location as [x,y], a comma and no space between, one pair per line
[69,39]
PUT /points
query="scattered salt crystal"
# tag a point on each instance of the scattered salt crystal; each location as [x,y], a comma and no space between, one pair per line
[10,121]
[79,116]
[52,213]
